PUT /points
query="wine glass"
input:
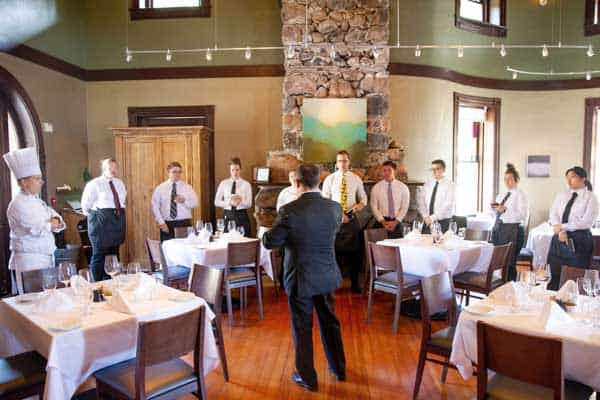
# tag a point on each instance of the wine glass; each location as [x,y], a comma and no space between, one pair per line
[199,225]
[461,232]
[112,266]
[85,275]
[49,279]
[405,230]
[220,225]
[65,271]
[585,284]
[241,230]
[543,275]
[592,275]
[209,228]
[190,231]
[231,226]
[134,268]
[417,225]
[453,227]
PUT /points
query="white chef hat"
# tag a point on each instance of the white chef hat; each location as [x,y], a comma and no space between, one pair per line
[23,162]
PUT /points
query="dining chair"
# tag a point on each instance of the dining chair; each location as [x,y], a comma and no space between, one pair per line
[157,371]
[480,235]
[32,280]
[242,271]
[372,235]
[22,376]
[568,273]
[277,264]
[180,232]
[173,275]
[437,296]
[525,367]
[396,282]
[207,283]
[461,221]
[484,282]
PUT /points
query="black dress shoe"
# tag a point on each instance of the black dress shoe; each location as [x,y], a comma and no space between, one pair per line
[340,377]
[300,382]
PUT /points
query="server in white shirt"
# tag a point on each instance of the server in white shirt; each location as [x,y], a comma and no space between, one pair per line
[346,188]
[234,196]
[572,215]
[389,201]
[437,198]
[288,194]
[32,223]
[103,201]
[511,210]
[173,202]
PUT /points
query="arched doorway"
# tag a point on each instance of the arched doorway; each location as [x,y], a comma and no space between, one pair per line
[19,127]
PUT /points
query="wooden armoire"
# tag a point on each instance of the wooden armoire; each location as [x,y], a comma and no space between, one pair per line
[143,154]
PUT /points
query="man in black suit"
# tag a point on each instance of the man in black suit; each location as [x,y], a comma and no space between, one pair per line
[307,228]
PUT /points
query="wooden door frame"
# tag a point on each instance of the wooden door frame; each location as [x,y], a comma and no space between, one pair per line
[136,115]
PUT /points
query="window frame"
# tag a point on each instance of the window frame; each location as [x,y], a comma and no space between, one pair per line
[591,28]
[137,13]
[592,105]
[483,28]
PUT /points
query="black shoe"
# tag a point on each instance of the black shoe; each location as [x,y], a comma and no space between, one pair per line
[340,377]
[300,382]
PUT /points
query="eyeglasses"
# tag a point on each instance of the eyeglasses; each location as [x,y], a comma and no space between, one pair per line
[176,171]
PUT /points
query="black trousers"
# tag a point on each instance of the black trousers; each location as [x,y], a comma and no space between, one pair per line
[301,315]
[397,233]
[348,249]
[445,223]
[241,219]
[559,254]
[507,233]
[106,230]
[97,261]
[179,223]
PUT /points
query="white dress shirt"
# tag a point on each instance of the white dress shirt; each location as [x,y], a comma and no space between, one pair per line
[161,201]
[242,188]
[517,207]
[97,194]
[445,199]
[380,204]
[583,213]
[287,195]
[355,191]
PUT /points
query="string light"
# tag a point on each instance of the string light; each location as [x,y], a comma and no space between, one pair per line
[208,55]
[502,51]
[169,55]
[545,51]
[248,53]
[588,76]
[460,52]
[332,52]
[515,75]
[590,51]
[290,51]
[543,3]
[128,56]
[418,51]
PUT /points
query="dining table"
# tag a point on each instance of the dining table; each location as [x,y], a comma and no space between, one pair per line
[539,238]
[90,336]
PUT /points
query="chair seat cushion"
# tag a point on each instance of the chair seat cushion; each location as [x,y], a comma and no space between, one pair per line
[241,274]
[390,280]
[179,272]
[21,371]
[160,378]
[475,279]
[443,338]
[501,387]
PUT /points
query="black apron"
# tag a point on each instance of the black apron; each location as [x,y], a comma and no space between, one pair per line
[561,254]
[241,219]
[106,228]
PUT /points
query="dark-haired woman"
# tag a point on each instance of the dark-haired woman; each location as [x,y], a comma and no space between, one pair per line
[572,215]
[511,209]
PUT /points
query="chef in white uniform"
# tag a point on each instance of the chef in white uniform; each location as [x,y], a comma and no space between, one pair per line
[31,221]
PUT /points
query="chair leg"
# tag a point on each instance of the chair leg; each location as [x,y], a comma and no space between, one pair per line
[259,293]
[445,369]
[221,348]
[370,302]
[397,311]
[229,306]
[201,393]
[468,297]
[420,368]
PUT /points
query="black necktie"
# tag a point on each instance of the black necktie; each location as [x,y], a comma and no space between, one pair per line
[432,200]
[173,211]
[233,192]
[567,212]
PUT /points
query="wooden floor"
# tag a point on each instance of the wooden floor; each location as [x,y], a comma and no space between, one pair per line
[380,365]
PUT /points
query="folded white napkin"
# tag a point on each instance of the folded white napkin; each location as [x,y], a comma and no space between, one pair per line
[511,293]
[120,303]
[54,301]
[146,286]
[63,321]
[77,283]
[553,315]
[203,237]
[568,292]
[413,235]
[230,237]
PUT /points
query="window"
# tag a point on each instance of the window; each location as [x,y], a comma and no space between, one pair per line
[153,9]
[591,141]
[592,17]
[486,17]
[476,140]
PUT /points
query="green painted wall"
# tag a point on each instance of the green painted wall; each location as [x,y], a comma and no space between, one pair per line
[94,33]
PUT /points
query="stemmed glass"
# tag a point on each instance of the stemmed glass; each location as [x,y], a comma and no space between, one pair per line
[209,228]
[231,226]
[49,279]
[417,225]
[592,275]
[134,268]
[405,230]
[199,225]
[241,230]
[543,275]
[112,266]
[65,271]
[453,227]
[220,225]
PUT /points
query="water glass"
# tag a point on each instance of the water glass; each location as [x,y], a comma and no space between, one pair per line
[592,275]
[49,279]
[199,225]
[543,275]
[417,225]
[190,231]
[220,225]
[112,266]
[231,226]
[209,228]
[585,284]
[65,271]
[461,232]
[526,278]
[241,230]
[453,227]
[405,230]
[134,268]
[85,274]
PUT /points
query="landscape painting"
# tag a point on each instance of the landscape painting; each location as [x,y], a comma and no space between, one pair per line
[330,125]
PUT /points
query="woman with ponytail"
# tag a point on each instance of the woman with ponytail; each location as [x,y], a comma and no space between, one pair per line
[572,216]
[511,210]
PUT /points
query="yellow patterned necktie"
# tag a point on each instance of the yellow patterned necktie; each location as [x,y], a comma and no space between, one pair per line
[343,194]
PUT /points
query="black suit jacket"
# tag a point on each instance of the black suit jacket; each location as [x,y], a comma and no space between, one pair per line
[307,228]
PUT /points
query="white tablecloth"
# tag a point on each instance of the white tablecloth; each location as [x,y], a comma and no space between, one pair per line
[581,343]
[106,337]
[539,240]
[481,222]
[423,258]
[184,252]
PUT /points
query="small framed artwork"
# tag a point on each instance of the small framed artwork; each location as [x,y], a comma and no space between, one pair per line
[262,174]
[538,166]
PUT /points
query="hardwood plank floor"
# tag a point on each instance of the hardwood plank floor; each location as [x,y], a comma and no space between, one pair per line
[379,364]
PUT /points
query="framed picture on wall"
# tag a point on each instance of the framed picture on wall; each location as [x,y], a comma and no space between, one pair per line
[538,166]
[262,174]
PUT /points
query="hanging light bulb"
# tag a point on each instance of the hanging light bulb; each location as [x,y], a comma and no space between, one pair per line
[332,52]
[588,76]
[375,53]
[590,51]
[418,51]
[460,52]
[169,55]
[515,75]
[248,53]
[543,3]
[128,55]
[545,51]
[208,55]
[502,51]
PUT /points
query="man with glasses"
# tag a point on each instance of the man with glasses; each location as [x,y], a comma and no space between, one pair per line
[173,202]
[437,198]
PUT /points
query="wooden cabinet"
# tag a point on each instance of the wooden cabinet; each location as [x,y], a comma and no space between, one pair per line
[143,154]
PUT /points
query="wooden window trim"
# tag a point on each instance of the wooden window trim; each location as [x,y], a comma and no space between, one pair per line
[590,28]
[476,101]
[591,105]
[481,28]
[137,13]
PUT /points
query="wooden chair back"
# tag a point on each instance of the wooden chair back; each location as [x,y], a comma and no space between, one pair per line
[243,253]
[437,295]
[539,359]
[461,221]
[373,235]
[386,258]
[32,280]
[499,262]
[180,232]
[157,258]
[207,283]
[571,273]
[473,234]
